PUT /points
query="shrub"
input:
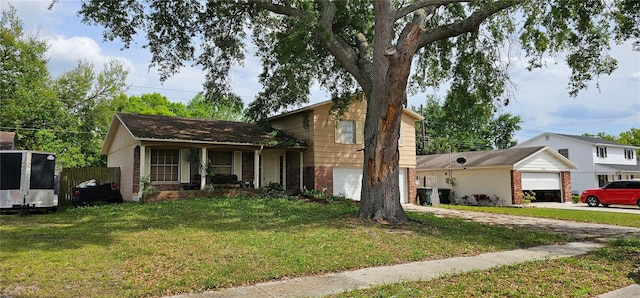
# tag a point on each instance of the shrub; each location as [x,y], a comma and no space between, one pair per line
[575,199]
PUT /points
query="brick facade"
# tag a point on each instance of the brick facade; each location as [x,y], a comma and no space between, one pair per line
[411,186]
[322,178]
[565,177]
[136,171]
[516,187]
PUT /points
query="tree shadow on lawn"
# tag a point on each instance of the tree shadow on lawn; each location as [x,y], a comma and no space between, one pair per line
[105,225]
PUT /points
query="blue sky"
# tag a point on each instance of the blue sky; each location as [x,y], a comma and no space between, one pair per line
[540,97]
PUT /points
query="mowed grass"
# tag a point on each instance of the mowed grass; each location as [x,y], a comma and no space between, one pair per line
[155,249]
[604,270]
[611,218]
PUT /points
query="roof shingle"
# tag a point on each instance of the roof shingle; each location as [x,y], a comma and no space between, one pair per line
[153,127]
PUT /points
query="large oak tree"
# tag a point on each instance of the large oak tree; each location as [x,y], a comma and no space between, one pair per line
[383,48]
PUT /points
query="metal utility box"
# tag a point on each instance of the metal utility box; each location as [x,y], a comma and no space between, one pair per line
[27,180]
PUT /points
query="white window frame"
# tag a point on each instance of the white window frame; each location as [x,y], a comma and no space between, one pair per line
[601,151]
[160,163]
[629,153]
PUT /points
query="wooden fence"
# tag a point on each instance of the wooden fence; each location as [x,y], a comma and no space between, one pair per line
[72,177]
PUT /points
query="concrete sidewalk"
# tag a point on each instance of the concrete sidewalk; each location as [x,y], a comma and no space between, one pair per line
[320,285]
[592,235]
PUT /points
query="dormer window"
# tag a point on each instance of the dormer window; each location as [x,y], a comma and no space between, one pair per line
[601,151]
[628,153]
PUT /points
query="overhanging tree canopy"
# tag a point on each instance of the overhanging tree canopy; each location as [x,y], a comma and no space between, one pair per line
[372,46]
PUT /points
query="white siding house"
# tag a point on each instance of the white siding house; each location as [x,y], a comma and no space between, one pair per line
[505,175]
[599,161]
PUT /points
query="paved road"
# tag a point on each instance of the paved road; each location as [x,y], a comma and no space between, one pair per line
[582,206]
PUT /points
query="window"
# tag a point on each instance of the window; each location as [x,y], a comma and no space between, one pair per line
[601,152]
[348,132]
[164,165]
[564,152]
[628,153]
[220,162]
[602,180]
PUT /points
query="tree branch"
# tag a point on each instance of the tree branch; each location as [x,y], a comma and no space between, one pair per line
[280,9]
[345,55]
[470,24]
[414,6]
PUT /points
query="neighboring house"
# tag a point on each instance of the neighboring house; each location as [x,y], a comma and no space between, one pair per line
[505,174]
[307,148]
[599,161]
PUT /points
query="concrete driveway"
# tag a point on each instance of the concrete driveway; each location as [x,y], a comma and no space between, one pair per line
[582,206]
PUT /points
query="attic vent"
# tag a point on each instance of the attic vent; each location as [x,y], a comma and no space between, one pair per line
[546,138]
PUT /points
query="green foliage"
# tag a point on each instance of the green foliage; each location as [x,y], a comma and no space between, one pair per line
[575,199]
[148,190]
[67,115]
[198,107]
[528,197]
[464,122]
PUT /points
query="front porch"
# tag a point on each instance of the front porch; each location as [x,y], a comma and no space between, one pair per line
[181,167]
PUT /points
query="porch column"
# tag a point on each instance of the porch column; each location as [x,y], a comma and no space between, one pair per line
[301,170]
[203,161]
[256,168]
[143,158]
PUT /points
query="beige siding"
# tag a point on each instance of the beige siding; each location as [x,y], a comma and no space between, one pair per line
[541,162]
[299,126]
[321,137]
[121,155]
[327,151]
[408,138]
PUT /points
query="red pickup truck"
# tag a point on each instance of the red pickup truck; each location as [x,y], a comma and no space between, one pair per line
[623,192]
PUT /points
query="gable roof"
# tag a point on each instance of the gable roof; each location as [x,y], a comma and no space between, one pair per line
[583,139]
[329,102]
[481,159]
[180,129]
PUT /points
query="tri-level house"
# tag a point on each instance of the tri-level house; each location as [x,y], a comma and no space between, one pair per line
[308,148]
[599,161]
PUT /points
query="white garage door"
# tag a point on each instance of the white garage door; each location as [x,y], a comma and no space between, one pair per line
[546,181]
[348,182]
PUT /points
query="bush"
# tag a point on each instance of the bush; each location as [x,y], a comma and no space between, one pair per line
[575,199]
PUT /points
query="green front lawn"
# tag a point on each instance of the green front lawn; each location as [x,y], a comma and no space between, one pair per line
[155,249]
[611,218]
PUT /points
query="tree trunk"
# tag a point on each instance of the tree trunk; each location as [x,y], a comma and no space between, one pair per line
[380,198]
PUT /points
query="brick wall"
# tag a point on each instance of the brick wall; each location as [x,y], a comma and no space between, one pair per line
[323,178]
[516,187]
[565,176]
[411,185]
[136,171]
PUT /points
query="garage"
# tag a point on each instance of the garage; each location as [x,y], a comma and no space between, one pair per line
[547,186]
[348,182]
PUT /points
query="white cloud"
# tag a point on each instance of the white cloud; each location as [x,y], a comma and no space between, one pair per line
[635,76]
[67,51]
